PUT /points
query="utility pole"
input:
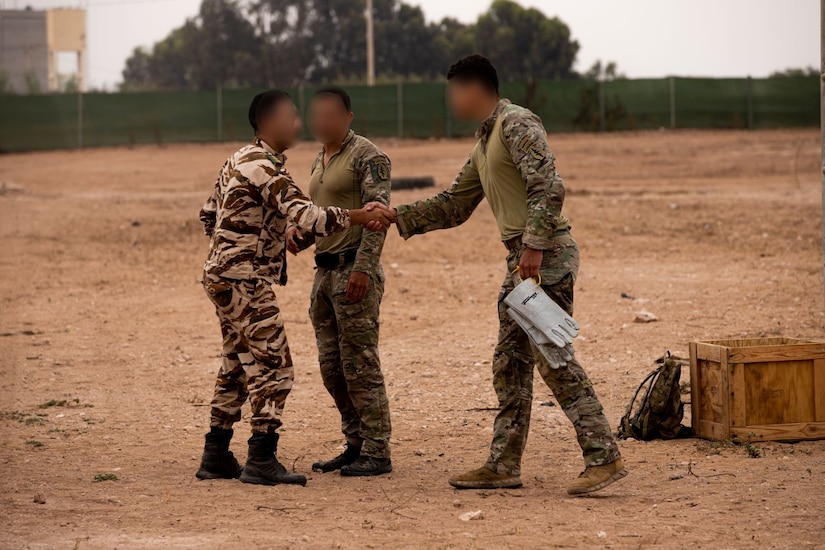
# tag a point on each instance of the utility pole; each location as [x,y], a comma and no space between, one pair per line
[371,46]
[822,119]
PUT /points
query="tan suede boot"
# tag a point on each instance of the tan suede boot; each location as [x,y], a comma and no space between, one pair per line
[595,478]
[485,478]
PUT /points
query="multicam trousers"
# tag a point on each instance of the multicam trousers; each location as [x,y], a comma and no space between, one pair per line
[256,361]
[513,364]
[347,337]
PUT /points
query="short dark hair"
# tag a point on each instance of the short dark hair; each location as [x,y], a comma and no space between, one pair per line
[475,68]
[337,92]
[262,104]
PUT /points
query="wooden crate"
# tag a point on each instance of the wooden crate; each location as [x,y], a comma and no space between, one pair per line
[762,389]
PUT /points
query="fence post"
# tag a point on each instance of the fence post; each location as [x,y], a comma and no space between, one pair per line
[219,108]
[399,100]
[822,117]
[79,119]
[672,86]
[750,103]
[602,110]
[448,119]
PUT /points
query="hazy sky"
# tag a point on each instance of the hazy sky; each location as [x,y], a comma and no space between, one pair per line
[647,38]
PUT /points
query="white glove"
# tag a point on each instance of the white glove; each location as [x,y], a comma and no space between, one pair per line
[529,300]
[556,356]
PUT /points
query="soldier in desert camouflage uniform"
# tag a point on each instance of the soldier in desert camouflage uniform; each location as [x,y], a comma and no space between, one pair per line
[349,171]
[246,218]
[512,166]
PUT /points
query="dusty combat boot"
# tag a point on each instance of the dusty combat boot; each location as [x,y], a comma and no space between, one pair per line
[263,468]
[218,462]
[350,455]
[485,478]
[594,478]
[367,466]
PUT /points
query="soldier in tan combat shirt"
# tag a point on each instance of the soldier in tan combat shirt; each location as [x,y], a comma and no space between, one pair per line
[512,167]
[246,218]
[349,171]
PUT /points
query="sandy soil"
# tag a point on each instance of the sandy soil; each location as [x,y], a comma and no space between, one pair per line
[109,347]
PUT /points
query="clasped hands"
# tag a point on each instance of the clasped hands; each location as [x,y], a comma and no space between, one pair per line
[374,216]
[385,216]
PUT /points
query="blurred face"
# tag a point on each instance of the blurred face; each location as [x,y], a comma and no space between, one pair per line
[464,98]
[282,126]
[329,119]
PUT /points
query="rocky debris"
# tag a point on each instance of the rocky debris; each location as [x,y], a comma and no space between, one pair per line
[645,316]
[471,516]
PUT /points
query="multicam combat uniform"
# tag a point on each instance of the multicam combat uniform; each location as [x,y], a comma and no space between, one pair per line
[246,217]
[346,332]
[512,166]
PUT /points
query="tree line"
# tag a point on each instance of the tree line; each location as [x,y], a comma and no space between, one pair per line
[260,43]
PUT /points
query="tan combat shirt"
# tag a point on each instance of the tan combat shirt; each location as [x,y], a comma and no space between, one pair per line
[512,166]
[357,174]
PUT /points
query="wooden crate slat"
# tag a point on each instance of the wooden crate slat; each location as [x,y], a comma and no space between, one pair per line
[738,390]
[712,430]
[819,389]
[776,353]
[781,432]
[779,393]
[708,352]
[695,397]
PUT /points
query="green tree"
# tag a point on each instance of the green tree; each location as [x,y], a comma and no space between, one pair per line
[405,44]
[525,43]
[603,71]
[804,71]
[218,47]
[288,43]
[453,39]
[137,74]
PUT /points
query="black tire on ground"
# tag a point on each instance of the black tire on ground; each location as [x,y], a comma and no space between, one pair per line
[413,183]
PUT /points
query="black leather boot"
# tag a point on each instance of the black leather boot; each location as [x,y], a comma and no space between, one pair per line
[262,467]
[350,455]
[218,462]
[367,466]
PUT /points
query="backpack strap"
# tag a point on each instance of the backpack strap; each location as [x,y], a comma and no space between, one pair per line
[625,425]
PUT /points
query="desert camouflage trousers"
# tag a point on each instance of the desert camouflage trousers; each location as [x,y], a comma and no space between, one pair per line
[513,363]
[256,361]
[347,338]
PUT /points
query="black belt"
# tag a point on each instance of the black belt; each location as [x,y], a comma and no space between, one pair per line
[515,242]
[326,260]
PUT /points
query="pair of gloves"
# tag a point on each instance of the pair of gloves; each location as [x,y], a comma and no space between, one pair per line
[549,327]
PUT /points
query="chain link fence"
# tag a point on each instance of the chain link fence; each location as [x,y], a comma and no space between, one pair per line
[410,110]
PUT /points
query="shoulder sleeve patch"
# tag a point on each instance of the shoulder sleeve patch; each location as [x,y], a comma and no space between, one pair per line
[527,145]
[380,168]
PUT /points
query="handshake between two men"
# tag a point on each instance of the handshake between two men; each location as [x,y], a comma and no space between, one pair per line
[374,216]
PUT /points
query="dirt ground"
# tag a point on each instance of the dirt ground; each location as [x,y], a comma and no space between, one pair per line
[109,348]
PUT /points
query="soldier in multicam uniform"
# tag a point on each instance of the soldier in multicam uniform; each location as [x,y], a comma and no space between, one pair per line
[246,218]
[512,166]
[349,171]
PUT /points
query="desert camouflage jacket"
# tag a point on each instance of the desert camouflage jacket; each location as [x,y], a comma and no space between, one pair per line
[251,206]
[511,164]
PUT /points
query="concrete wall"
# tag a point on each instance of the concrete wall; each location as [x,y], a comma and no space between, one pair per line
[24,49]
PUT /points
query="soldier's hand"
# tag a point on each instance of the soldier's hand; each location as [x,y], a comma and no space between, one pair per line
[293,238]
[374,216]
[357,286]
[392,214]
[530,263]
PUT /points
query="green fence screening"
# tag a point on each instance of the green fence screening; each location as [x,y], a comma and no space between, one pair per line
[410,110]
